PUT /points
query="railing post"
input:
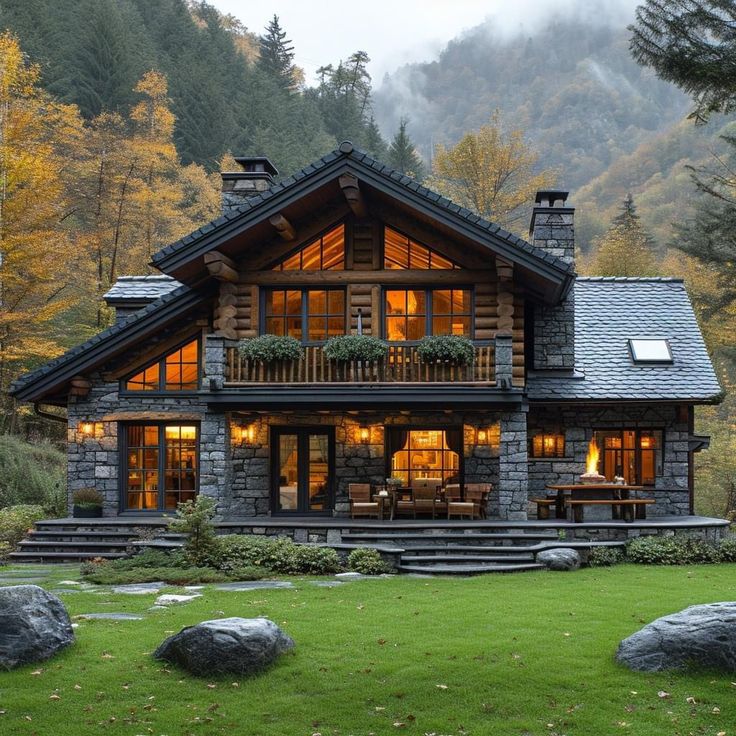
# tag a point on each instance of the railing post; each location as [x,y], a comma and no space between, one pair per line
[504,361]
[214,362]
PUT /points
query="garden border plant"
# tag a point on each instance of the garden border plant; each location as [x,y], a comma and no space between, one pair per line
[349,348]
[271,349]
[453,349]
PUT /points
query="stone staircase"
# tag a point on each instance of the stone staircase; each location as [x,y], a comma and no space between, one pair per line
[454,550]
[76,540]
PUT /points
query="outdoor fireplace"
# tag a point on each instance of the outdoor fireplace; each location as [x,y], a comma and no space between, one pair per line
[591,474]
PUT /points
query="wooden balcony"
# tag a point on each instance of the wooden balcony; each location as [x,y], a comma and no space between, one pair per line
[401,366]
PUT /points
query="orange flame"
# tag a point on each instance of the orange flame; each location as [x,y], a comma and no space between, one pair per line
[592,458]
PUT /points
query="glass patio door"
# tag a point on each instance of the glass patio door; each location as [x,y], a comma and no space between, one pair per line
[302,469]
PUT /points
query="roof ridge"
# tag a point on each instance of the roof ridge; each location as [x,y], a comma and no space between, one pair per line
[632,279]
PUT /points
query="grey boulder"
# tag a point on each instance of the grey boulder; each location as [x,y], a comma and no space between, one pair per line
[701,636]
[561,559]
[34,625]
[241,646]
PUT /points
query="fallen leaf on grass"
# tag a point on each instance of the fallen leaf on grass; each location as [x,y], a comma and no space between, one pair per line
[77,687]
[36,672]
[441,687]
[663,694]
[716,710]
[399,724]
[54,697]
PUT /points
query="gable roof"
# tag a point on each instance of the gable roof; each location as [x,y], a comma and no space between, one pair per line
[122,335]
[346,159]
[609,312]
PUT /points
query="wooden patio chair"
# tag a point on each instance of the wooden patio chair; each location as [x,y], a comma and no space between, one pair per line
[361,503]
[456,506]
[424,495]
[478,493]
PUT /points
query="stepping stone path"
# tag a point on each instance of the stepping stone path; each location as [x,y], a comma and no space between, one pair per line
[170,599]
[255,585]
[327,583]
[110,616]
[139,588]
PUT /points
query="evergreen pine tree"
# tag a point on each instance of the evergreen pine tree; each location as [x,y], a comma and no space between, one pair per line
[374,143]
[277,56]
[402,154]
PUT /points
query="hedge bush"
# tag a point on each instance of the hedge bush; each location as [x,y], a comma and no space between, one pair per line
[271,348]
[347,348]
[605,556]
[15,521]
[670,551]
[368,562]
[727,549]
[455,349]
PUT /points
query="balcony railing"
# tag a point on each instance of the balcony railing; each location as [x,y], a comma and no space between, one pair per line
[401,365]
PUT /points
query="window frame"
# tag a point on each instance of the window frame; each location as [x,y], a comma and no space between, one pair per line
[455,265]
[123,448]
[544,456]
[637,450]
[278,265]
[304,314]
[429,304]
[161,362]
[650,361]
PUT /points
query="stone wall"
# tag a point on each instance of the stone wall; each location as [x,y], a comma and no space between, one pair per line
[578,423]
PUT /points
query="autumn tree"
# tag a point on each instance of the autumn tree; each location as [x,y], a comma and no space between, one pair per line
[36,262]
[626,248]
[492,172]
[402,153]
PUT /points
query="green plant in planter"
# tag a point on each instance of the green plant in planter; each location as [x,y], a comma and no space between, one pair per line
[454,349]
[348,348]
[87,503]
[271,348]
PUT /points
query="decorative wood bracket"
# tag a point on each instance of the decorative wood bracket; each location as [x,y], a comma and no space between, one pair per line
[283,227]
[351,190]
[221,267]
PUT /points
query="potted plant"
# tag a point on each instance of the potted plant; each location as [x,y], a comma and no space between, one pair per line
[453,349]
[353,348]
[271,349]
[87,503]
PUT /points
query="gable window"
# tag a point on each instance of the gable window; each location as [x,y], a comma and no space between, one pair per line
[634,454]
[401,252]
[177,371]
[413,313]
[326,253]
[547,445]
[309,315]
[650,351]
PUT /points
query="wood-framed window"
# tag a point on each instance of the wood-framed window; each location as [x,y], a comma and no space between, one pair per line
[547,444]
[324,253]
[175,371]
[410,314]
[160,465]
[309,315]
[402,252]
[634,454]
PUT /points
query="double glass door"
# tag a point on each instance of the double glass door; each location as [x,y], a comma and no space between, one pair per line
[302,469]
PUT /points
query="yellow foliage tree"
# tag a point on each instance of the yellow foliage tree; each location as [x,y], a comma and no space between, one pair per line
[38,262]
[492,172]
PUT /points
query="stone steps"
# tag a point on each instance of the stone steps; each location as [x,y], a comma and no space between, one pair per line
[468,569]
[441,558]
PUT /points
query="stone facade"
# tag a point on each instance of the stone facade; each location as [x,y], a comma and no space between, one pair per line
[578,423]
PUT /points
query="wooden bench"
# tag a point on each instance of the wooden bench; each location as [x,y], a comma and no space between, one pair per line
[630,507]
[543,506]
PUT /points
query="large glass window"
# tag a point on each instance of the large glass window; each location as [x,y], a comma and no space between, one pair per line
[413,313]
[311,315]
[425,453]
[161,466]
[326,253]
[401,252]
[634,454]
[544,444]
[177,371]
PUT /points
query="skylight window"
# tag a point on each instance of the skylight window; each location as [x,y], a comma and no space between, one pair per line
[650,350]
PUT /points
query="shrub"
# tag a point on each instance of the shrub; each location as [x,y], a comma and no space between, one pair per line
[15,521]
[5,550]
[670,551]
[32,474]
[454,349]
[347,348]
[152,558]
[605,556]
[195,520]
[316,560]
[727,549]
[368,562]
[234,551]
[87,498]
[271,348]
[107,573]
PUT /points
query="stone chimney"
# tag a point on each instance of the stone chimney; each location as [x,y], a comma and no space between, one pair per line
[256,175]
[552,229]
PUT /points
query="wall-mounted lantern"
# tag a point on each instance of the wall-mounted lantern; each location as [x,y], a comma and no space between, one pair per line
[89,430]
[244,435]
[364,434]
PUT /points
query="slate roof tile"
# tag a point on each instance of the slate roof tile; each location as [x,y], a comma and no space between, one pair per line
[140,288]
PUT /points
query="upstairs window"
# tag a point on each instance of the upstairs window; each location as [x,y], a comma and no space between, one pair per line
[413,313]
[309,315]
[401,252]
[326,253]
[177,371]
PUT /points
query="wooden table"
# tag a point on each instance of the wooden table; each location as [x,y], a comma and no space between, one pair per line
[391,499]
[606,493]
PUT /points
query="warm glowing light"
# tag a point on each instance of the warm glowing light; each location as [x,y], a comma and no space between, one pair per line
[646,442]
[365,434]
[245,435]
[482,435]
[87,429]
[592,458]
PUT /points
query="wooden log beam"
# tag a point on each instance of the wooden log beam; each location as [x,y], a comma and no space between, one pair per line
[221,267]
[384,276]
[283,227]
[353,195]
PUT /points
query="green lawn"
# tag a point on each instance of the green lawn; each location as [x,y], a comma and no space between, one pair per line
[501,654]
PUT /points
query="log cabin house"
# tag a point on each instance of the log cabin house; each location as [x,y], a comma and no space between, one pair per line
[162,406]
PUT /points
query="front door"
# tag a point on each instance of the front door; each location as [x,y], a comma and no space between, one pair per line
[302,469]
